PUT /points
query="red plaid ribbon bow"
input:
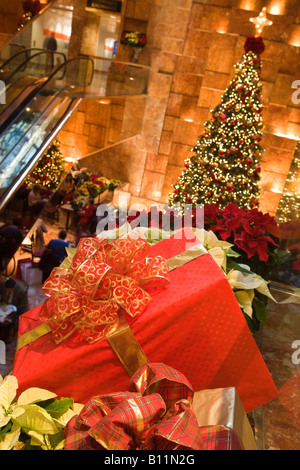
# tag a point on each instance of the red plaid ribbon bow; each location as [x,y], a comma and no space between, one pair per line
[155,414]
[102,278]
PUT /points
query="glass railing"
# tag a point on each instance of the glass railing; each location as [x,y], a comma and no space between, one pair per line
[115,78]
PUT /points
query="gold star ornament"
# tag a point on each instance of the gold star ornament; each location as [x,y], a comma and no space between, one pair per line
[261,21]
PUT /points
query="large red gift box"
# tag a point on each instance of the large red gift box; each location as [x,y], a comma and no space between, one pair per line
[194,324]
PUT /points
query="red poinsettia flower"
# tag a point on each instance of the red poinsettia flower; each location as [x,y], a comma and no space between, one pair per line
[254,44]
[32,6]
[247,228]
[210,212]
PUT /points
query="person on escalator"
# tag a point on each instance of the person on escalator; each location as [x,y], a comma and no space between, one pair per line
[50,44]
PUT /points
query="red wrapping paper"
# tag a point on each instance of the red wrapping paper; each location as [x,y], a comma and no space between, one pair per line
[194,325]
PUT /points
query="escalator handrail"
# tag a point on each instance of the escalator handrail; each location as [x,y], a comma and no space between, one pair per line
[8,193]
[26,51]
[56,70]
[49,104]
[34,123]
[41,51]
[10,122]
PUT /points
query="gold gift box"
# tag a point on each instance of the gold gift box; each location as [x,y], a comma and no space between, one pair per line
[223,406]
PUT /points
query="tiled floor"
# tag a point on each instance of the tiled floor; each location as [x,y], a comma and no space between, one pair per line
[279,342]
[277,424]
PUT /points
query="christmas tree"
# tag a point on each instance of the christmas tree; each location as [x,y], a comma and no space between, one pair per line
[289,206]
[49,170]
[225,163]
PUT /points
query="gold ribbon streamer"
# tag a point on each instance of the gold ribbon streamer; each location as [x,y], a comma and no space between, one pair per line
[186,256]
[32,335]
[126,347]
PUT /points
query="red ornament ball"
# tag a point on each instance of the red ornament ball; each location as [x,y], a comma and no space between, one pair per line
[230,186]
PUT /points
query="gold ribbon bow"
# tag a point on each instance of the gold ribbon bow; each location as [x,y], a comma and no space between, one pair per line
[102,278]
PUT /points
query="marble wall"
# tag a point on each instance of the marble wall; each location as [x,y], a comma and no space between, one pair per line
[10,13]
[192,47]
[98,124]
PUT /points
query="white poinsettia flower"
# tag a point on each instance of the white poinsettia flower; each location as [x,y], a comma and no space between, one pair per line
[245,299]
[209,239]
[219,256]
[113,234]
[4,418]
[242,280]
[34,395]
[8,391]
[10,439]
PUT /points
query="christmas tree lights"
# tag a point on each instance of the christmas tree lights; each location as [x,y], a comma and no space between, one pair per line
[289,206]
[49,170]
[225,163]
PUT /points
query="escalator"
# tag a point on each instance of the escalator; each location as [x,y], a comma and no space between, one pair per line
[39,91]
[33,114]
[38,104]
[22,75]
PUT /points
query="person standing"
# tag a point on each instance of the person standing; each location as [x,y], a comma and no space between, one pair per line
[14,292]
[58,246]
[35,201]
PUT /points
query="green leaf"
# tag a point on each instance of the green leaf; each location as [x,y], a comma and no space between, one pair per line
[6,428]
[56,440]
[59,406]
[233,265]
[233,254]
[260,310]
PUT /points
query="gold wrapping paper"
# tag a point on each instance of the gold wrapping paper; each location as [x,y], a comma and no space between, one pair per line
[223,406]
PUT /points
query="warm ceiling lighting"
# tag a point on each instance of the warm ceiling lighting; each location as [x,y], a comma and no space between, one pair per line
[247,5]
[276,7]
[294,39]
[276,190]
[287,135]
